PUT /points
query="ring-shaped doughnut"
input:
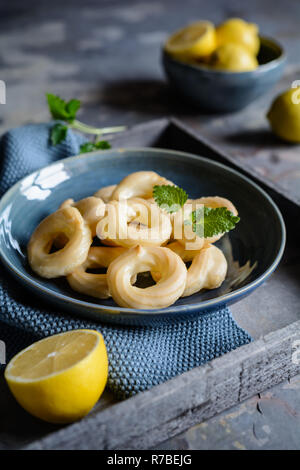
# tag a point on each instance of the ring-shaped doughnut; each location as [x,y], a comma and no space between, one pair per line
[138,184]
[134,221]
[178,248]
[91,208]
[106,192]
[140,259]
[207,271]
[91,284]
[69,222]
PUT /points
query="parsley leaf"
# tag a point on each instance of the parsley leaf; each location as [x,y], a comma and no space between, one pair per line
[210,222]
[91,146]
[58,133]
[170,198]
[61,109]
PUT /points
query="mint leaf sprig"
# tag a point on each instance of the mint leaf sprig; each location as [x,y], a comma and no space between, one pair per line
[209,221]
[206,221]
[58,133]
[66,111]
[170,198]
[91,146]
[61,109]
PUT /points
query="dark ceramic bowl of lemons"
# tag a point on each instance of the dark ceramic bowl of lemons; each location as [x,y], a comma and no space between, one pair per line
[217,90]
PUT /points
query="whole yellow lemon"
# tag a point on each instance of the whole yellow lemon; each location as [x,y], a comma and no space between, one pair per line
[238,31]
[284,115]
[233,58]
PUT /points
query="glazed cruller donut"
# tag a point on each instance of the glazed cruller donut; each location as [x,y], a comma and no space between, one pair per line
[94,284]
[140,243]
[207,270]
[69,223]
[168,289]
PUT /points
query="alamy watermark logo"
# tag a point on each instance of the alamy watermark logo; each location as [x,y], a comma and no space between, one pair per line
[141,221]
[2,352]
[296,93]
[2,92]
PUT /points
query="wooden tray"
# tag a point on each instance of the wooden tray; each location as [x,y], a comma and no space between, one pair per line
[271,315]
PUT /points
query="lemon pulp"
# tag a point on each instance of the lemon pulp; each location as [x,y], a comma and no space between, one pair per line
[196,40]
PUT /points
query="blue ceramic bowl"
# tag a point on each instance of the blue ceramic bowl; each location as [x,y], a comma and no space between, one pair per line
[223,91]
[253,249]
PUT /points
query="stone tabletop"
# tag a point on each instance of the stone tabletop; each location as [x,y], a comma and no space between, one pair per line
[107,54]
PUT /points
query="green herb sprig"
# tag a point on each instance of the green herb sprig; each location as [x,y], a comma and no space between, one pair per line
[91,146]
[66,111]
[170,198]
[206,221]
[209,221]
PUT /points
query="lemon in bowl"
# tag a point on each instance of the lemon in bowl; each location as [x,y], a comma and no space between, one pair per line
[231,76]
[197,40]
[233,57]
[60,378]
[238,31]
[284,115]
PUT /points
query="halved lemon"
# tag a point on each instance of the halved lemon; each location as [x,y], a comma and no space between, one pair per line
[60,378]
[196,40]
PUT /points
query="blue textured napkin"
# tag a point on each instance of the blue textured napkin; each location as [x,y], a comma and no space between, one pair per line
[139,357]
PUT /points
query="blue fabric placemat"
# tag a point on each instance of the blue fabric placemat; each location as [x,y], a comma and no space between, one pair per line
[139,357]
